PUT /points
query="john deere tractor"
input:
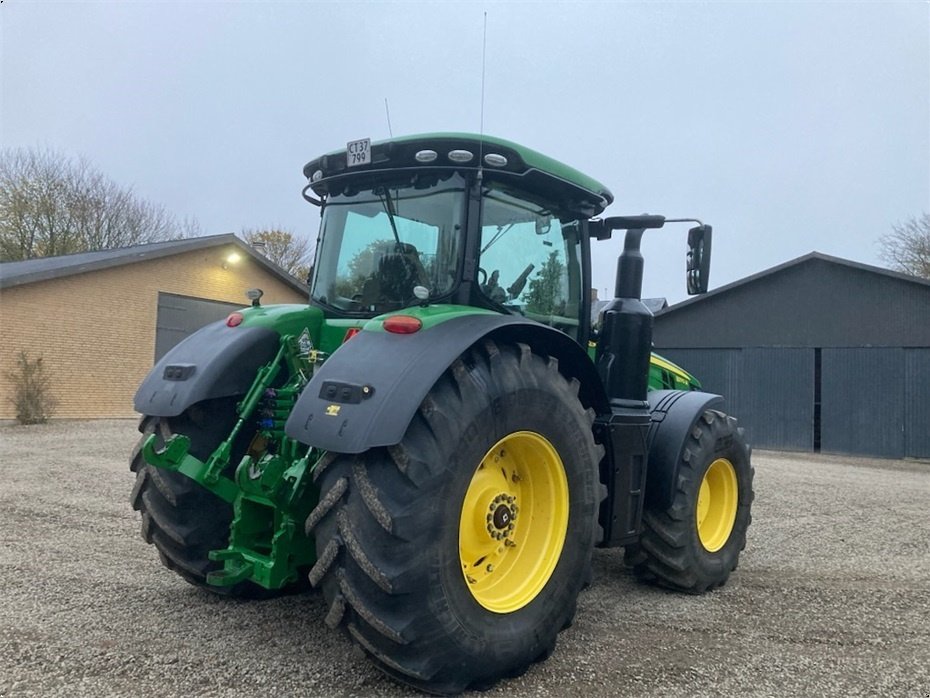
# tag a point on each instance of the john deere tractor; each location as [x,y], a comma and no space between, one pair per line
[440,438]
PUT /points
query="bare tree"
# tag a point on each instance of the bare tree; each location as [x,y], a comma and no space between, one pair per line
[907,247]
[292,253]
[51,204]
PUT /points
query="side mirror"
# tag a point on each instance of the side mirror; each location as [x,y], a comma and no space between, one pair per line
[698,274]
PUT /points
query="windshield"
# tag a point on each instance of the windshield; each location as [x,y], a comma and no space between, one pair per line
[379,243]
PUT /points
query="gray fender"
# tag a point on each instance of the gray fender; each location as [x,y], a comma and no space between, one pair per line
[673,415]
[215,361]
[367,392]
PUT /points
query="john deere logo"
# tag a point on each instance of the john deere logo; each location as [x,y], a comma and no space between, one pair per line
[333,410]
[304,343]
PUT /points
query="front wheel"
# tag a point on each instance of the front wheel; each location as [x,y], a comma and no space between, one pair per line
[456,557]
[695,543]
[183,520]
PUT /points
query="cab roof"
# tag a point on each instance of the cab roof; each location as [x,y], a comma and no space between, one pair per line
[503,160]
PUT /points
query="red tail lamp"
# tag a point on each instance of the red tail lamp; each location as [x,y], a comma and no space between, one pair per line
[402,324]
[234,320]
[350,333]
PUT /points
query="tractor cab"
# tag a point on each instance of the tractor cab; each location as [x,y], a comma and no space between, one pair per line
[453,218]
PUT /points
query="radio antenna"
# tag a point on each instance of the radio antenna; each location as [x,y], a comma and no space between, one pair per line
[484,53]
[387,111]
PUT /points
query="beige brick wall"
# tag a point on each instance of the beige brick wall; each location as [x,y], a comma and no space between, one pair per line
[96,331]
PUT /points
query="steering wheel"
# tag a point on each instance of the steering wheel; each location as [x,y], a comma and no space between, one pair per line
[482,277]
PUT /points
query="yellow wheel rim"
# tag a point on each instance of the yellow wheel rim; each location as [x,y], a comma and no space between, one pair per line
[716,505]
[513,522]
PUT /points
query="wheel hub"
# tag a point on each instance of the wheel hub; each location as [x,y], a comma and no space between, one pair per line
[502,517]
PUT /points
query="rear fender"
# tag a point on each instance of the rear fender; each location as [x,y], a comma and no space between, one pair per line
[673,416]
[216,361]
[366,394]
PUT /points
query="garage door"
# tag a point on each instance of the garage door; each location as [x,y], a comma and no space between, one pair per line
[863,409]
[180,316]
[770,390]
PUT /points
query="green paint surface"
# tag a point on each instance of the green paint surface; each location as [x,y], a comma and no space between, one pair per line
[430,315]
[284,319]
[533,159]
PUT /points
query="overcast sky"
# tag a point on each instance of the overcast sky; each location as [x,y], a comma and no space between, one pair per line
[790,127]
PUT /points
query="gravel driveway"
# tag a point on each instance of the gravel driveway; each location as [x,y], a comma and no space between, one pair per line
[832,596]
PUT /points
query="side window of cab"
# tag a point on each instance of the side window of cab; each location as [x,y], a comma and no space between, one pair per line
[530,260]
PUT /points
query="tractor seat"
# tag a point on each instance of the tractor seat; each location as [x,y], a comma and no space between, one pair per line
[398,271]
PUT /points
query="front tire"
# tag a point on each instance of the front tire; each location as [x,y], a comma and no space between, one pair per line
[695,543]
[456,557]
[183,520]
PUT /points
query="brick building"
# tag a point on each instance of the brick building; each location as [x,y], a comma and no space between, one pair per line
[100,319]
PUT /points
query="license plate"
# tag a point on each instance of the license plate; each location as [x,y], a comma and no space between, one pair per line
[358,152]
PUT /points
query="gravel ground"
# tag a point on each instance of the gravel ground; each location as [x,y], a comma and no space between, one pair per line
[832,596]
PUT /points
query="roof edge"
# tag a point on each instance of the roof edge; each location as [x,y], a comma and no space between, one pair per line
[121,256]
[810,256]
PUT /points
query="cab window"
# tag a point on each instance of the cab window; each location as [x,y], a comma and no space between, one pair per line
[530,260]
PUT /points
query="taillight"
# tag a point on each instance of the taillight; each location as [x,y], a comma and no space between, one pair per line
[402,324]
[350,333]
[234,320]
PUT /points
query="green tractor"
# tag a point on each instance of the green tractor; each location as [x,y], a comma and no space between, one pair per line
[441,438]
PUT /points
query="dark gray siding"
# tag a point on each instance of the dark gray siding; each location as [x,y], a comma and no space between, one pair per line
[815,303]
[718,370]
[776,390]
[179,316]
[756,342]
[917,402]
[863,401]
[770,391]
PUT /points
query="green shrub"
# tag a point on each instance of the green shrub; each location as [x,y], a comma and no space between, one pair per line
[32,395]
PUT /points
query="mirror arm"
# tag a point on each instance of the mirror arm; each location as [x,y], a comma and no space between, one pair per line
[307,197]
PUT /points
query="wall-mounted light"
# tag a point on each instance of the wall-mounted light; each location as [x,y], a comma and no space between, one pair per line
[231,258]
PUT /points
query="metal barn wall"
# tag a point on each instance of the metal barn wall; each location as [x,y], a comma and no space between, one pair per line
[917,402]
[776,390]
[717,369]
[875,401]
[863,400]
[813,304]
[757,341]
[770,390]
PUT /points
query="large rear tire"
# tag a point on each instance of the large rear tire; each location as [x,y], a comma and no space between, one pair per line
[694,544]
[455,558]
[183,520]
